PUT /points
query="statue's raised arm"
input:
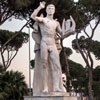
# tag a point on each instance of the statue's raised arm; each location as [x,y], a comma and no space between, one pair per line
[36,11]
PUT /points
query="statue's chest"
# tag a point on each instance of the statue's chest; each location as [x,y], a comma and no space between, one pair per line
[50,24]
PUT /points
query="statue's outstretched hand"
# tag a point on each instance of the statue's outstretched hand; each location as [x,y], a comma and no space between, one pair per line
[42,4]
[68,28]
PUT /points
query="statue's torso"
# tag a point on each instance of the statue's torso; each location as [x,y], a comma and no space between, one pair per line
[48,30]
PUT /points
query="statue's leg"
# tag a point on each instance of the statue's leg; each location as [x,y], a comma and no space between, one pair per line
[44,56]
[54,55]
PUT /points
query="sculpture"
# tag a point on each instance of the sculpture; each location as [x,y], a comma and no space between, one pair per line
[46,33]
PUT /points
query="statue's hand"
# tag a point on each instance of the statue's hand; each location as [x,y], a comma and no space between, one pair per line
[67,27]
[42,4]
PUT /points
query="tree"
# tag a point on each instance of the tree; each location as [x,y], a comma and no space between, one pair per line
[16,8]
[12,48]
[84,44]
[87,11]
[12,86]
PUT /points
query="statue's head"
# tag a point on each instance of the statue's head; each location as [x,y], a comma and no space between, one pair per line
[50,9]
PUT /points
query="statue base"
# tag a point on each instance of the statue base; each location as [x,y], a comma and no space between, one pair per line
[51,96]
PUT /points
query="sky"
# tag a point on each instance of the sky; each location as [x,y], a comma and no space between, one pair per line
[21,61]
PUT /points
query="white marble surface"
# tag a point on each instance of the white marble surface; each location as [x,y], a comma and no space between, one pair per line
[52,94]
[51,98]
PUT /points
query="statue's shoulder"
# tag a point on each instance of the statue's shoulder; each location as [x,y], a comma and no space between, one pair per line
[57,22]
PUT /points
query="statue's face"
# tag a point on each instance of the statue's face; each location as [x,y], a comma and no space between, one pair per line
[50,9]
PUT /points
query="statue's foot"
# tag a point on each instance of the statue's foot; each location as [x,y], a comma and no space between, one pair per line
[58,90]
[45,90]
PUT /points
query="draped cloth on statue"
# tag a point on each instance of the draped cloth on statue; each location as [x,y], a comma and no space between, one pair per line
[38,82]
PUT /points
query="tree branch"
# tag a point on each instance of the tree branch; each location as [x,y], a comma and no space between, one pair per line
[8,56]
[90,26]
[91,60]
[81,50]
[3,61]
[12,59]
[86,32]
[13,36]
[5,19]
[93,31]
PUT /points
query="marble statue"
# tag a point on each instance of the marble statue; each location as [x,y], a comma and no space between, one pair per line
[47,32]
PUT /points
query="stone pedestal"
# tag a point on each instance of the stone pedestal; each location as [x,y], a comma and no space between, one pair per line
[51,97]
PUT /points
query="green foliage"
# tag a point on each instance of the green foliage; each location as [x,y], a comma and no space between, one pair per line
[32,63]
[1,68]
[21,3]
[76,70]
[68,51]
[19,8]
[10,49]
[92,6]
[96,89]
[96,81]
[12,85]
[96,74]
[87,10]
[95,49]
[14,44]
[90,11]
[3,96]
[78,77]
[84,45]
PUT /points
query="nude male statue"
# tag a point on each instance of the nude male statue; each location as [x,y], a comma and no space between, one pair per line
[49,28]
